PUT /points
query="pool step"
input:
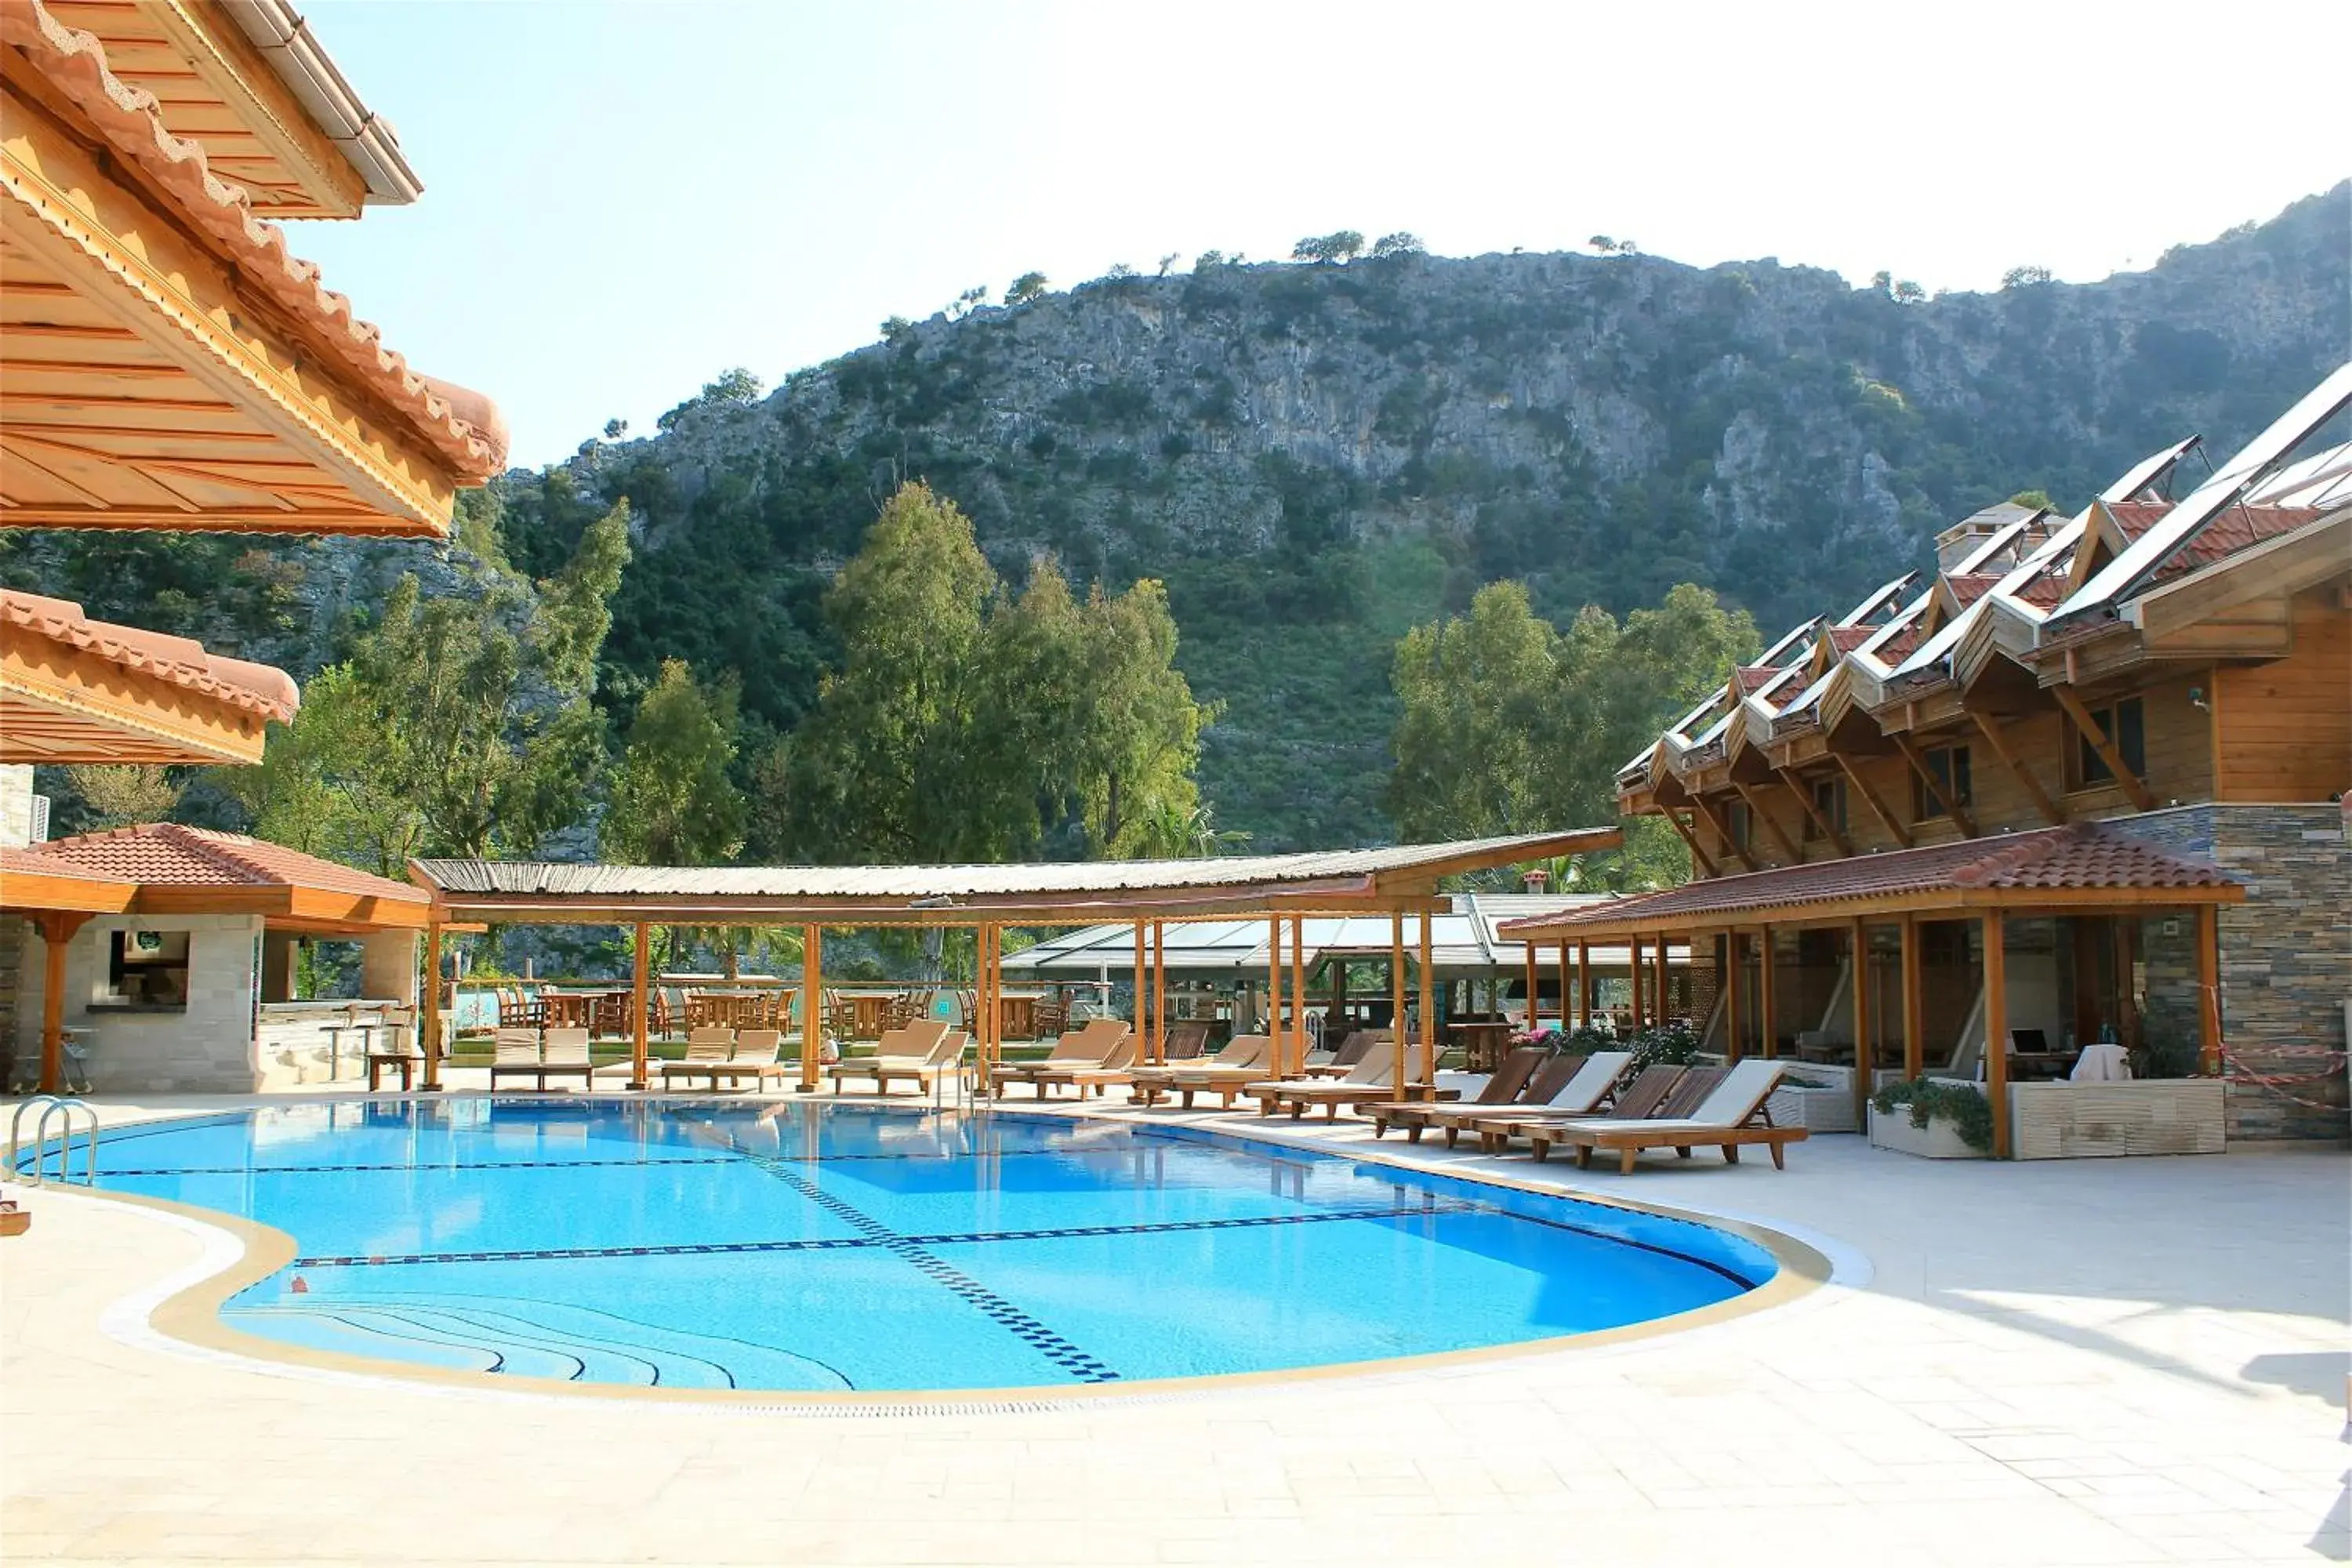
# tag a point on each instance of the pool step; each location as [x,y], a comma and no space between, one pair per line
[571,1344]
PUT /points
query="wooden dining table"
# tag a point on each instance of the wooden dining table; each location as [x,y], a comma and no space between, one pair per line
[1483,1045]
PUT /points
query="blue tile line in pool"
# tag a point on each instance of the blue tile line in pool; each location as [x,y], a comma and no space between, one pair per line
[995,1308]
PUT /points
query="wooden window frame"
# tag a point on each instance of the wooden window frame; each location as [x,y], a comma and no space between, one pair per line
[2086,769]
[1958,776]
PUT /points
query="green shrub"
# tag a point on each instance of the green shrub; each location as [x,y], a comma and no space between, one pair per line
[1962,1104]
[1673,1044]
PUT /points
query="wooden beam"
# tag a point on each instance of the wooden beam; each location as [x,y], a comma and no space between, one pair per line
[640,976]
[1735,978]
[1766,1010]
[1298,989]
[2051,812]
[58,928]
[1159,1041]
[1428,1011]
[1722,831]
[1887,818]
[1865,1057]
[1666,973]
[1564,992]
[1273,1026]
[2140,794]
[1634,978]
[1584,986]
[1396,1004]
[1914,1015]
[812,1005]
[1142,995]
[1757,813]
[1996,1016]
[1829,830]
[1706,862]
[2208,991]
[1533,979]
[428,1031]
[1952,808]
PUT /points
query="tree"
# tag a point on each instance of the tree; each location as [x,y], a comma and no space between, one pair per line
[1882,281]
[1208,261]
[971,300]
[616,428]
[1168,262]
[1027,287]
[1336,248]
[2024,277]
[1906,292]
[119,795]
[1401,243]
[893,327]
[737,386]
[456,726]
[1509,725]
[672,801]
[968,723]
[1603,244]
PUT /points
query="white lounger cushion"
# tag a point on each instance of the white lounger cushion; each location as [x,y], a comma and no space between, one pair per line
[1728,1105]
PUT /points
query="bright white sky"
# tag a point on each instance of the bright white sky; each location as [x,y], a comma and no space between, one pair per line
[621,200]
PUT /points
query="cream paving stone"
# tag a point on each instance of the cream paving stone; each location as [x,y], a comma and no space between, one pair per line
[2100,1362]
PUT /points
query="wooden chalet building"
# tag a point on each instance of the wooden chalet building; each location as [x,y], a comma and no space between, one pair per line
[2084,785]
[169,364]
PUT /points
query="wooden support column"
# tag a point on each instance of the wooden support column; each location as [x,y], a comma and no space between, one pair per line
[1298,991]
[1915,1006]
[1735,980]
[1991,730]
[1158,992]
[1143,992]
[1634,978]
[57,929]
[1878,809]
[1534,978]
[1705,861]
[1273,994]
[641,972]
[1952,807]
[1565,1018]
[1767,998]
[1996,1017]
[1428,1010]
[2208,991]
[428,1017]
[1584,984]
[992,1047]
[1396,1000]
[2140,795]
[1757,813]
[1665,998]
[1865,1057]
[813,1004]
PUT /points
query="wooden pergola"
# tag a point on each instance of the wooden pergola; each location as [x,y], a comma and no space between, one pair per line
[2083,869]
[1284,891]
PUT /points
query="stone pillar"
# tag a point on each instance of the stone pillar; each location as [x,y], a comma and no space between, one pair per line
[388,967]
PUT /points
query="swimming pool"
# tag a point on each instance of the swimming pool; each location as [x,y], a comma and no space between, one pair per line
[813,1246]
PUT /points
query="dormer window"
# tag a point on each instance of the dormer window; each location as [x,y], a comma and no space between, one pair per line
[1948,767]
[2125,726]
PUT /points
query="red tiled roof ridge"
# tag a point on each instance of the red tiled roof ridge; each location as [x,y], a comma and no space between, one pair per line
[129,117]
[183,661]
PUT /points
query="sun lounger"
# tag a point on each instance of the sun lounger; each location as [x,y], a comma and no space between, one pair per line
[1580,1093]
[1153,1079]
[1085,1048]
[1638,1098]
[565,1053]
[757,1056]
[1226,1074]
[1510,1080]
[707,1048]
[514,1053]
[1117,1067]
[1566,1078]
[899,1053]
[1335,1063]
[1733,1114]
[944,1057]
[1367,1077]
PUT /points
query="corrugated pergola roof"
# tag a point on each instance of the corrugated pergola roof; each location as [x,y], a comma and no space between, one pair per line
[1061,892]
[1460,942]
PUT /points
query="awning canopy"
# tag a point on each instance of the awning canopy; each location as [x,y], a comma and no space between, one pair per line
[2081,868]
[1463,941]
[73,690]
[165,868]
[1025,893]
[166,363]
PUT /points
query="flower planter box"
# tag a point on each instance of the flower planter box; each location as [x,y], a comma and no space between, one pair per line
[1939,1140]
[1815,1109]
[2087,1120]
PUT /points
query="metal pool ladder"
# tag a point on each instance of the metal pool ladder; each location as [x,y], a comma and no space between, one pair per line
[63,1108]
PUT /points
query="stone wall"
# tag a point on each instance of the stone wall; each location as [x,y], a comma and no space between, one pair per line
[16,805]
[206,1047]
[14,947]
[2286,958]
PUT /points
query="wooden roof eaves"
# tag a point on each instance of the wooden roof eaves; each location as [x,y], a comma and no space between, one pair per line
[113,701]
[2288,564]
[1950,902]
[263,104]
[37,890]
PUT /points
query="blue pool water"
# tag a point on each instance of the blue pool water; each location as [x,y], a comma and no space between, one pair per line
[821,1247]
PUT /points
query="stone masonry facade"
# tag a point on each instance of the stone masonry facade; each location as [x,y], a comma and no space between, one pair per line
[2287,960]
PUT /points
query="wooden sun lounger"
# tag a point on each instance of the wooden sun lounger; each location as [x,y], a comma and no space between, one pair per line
[1086,1049]
[1586,1083]
[1117,1067]
[1519,1074]
[1640,1098]
[1151,1080]
[514,1053]
[945,1058]
[1226,1074]
[902,1052]
[1365,1080]
[757,1056]
[1735,1113]
[706,1047]
[1351,1051]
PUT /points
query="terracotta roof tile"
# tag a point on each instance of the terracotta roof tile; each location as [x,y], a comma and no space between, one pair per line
[75,63]
[2136,517]
[2240,528]
[1970,587]
[1750,679]
[2079,857]
[183,661]
[1845,639]
[169,853]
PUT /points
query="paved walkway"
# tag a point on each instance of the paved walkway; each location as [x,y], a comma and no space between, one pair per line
[2093,1362]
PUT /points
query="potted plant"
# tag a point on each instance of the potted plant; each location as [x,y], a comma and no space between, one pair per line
[1933,1118]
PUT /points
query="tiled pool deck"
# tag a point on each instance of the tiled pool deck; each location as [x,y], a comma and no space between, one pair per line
[2088,1361]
